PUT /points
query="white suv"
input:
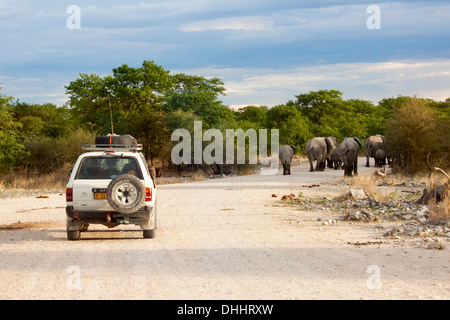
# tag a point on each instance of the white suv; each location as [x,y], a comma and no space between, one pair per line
[110,185]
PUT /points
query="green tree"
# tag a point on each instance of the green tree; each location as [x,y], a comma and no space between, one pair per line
[412,133]
[47,154]
[11,146]
[127,94]
[293,127]
[89,102]
[139,100]
[46,119]
[199,95]
[330,115]
[252,117]
[133,88]
[317,104]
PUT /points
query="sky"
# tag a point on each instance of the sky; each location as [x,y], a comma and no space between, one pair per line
[266,52]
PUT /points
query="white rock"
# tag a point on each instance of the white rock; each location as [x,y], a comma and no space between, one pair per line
[357,194]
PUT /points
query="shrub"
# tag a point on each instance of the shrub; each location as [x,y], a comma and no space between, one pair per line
[45,154]
[11,150]
[412,132]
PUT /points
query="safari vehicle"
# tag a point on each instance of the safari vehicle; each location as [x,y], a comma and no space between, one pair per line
[110,184]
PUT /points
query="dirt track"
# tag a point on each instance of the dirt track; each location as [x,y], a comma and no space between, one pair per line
[217,239]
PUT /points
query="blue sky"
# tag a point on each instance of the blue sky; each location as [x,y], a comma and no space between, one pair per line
[265,51]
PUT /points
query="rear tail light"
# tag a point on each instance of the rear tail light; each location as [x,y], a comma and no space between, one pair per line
[148,194]
[69,194]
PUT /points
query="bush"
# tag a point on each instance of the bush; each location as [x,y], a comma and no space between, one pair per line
[11,150]
[412,132]
[45,154]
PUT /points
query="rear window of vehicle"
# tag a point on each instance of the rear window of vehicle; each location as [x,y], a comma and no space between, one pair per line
[108,168]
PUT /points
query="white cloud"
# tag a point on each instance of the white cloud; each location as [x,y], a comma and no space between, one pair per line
[278,38]
[368,81]
[232,23]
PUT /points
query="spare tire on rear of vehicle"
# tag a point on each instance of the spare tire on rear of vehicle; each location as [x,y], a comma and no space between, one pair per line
[115,139]
[126,194]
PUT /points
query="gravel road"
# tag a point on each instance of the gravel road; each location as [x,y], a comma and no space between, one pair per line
[217,239]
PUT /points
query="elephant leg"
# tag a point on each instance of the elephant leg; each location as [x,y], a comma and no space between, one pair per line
[288,166]
[347,171]
[367,161]
[318,165]
[355,167]
[322,165]
[311,166]
[330,164]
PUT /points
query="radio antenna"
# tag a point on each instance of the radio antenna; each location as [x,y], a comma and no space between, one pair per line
[110,115]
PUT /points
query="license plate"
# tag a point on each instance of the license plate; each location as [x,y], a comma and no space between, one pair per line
[100,195]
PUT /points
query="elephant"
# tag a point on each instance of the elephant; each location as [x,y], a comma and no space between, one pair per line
[330,148]
[371,146]
[380,158]
[336,159]
[348,151]
[285,154]
[317,150]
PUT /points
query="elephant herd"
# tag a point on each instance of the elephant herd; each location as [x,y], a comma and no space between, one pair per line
[327,152]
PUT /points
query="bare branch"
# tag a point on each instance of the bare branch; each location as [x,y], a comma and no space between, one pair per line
[443,172]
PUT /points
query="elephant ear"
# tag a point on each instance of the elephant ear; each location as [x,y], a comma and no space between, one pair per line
[330,144]
[293,148]
[384,144]
[358,142]
[336,142]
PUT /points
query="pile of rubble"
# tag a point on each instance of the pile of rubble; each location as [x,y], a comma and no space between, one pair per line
[355,206]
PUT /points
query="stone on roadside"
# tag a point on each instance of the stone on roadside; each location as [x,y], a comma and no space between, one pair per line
[435,246]
[356,194]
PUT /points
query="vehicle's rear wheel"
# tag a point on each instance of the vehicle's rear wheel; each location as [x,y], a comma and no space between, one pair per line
[73,234]
[126,194]
[149,234]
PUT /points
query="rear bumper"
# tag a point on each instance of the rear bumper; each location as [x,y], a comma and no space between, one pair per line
[141,217]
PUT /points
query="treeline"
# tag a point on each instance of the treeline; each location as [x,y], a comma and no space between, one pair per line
[150,103]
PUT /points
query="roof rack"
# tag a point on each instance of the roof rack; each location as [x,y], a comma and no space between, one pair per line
[111,147]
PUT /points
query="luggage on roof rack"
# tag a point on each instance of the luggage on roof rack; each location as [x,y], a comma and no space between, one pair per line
[111,147]
[115,139]
[113,142]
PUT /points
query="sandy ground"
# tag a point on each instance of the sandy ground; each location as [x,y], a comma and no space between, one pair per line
[217,239]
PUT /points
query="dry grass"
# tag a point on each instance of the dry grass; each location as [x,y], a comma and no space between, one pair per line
[51,181]
[31,225]
[368,183]
[440,211]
